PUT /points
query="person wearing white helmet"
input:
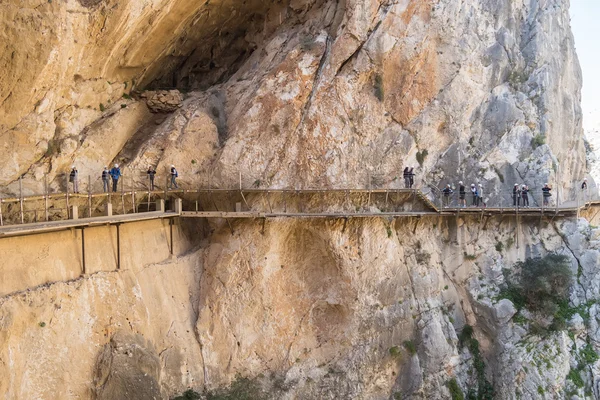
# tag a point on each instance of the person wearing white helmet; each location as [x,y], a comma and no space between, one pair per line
[74,179]
[461,194]
[524,195]
[151,173]
[105,179]
[480,202]
[475,194]
[546,194]
[516,195]
[174,175]
[115,173]
[447,191]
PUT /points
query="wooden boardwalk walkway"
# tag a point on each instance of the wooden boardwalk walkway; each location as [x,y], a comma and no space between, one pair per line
[250,204]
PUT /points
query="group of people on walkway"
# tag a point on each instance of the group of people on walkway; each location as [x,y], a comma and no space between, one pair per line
[476,193]
[115,174]
[520,195]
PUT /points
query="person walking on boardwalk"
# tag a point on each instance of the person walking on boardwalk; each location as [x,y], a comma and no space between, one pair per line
[480,202]
[475,194]
[411,177]
[115,173]
[546,194]
[174,175]
[406,178]
[584,187]
[447,192]
[105,178]
[151,173]
[516,195]
[461,194]
[525,195]
[74,179]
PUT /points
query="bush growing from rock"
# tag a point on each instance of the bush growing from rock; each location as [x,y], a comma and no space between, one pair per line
[539,284]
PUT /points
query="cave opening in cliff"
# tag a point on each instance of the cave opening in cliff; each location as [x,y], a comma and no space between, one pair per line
[215,44]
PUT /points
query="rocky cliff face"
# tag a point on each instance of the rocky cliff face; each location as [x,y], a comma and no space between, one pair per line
[314,93]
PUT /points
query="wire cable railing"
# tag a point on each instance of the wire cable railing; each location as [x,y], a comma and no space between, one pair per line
[38,200]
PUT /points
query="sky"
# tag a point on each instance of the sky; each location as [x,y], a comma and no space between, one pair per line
[585,23]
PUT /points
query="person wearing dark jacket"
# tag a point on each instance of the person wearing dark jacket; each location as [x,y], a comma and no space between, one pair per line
[447,191]
[546,194]
[406,177]
[584,187]
[115,173]
[105,179]
[174,175]
[516,195]
[151,173]
[524,195]
[411,177]
[74,179]
[461,194]
[475,194]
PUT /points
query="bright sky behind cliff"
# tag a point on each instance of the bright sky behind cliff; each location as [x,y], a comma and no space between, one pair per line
[585,17]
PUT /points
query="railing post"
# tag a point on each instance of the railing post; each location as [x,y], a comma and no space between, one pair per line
[89,196]
[46,196]
[21,197]
[123,193]
[67,195]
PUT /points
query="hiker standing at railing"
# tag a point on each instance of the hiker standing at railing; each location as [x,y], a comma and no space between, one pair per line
[516,195]
[105,178]
[546,194]
[411,177]
[461,194]
[474,193]
[480,202]
[447,191]
[115,173]
[174,175]
[525,196]
[406,177]
[74,179]
[151,173]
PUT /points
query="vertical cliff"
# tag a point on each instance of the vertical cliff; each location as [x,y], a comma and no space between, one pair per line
[302,93]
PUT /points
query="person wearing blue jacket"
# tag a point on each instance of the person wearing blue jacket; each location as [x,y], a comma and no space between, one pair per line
[115,173]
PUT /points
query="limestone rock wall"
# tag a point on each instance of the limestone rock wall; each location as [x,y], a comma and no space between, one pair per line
[298,93]
[322,93]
